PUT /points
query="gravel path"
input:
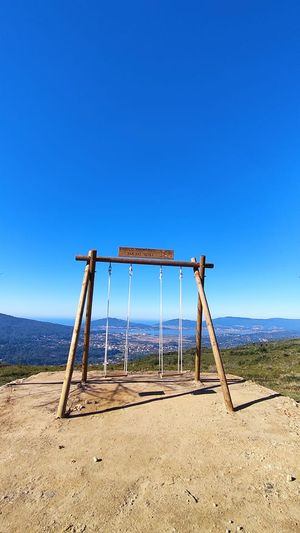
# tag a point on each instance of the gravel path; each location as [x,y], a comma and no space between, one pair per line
[139,454]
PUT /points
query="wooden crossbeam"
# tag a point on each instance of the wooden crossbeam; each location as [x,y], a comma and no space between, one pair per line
[135,261]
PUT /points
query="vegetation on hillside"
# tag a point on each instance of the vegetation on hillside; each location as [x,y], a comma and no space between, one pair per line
[12,372]
[275,365]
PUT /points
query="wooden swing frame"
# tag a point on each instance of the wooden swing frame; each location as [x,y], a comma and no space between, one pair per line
[86,301]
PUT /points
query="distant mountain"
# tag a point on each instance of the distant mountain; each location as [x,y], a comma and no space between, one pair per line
[12,326]
[175,322]
[116,323]
[244,323]
[23,340]
[287,324]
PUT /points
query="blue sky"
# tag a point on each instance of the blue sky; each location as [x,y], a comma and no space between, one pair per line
[153,124]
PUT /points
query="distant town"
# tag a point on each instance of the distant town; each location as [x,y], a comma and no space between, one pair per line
[36,342]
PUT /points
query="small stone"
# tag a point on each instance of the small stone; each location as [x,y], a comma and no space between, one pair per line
[269,488]
[239,528]
[73,461]
[230,521]
[78,407]
[290,477]
[49,494]
[97,459]
[215,505]
[228,530]
[60,446]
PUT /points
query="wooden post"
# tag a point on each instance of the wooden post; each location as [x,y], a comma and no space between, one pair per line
[214,342]
[199,323]
[88,314]
[74,342]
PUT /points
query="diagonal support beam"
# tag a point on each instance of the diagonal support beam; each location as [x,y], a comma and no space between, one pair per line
[73,346]
[213,341]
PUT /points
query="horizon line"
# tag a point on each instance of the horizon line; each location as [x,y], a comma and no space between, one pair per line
[147,320]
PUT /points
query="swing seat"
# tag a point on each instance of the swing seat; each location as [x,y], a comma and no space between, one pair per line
[170,373]
[114,374]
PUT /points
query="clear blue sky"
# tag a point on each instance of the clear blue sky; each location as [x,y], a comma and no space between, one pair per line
[159,124]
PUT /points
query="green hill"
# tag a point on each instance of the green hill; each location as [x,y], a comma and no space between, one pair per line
[275,365]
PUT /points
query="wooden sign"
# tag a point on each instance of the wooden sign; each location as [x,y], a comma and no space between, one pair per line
[146,252]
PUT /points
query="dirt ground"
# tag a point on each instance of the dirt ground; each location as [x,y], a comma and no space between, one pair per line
[143,454]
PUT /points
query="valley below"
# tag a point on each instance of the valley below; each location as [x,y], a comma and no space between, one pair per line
[25,341]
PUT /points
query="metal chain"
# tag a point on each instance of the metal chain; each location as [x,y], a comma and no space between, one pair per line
[107,319]
[180,323]
[161,335]
[126,351]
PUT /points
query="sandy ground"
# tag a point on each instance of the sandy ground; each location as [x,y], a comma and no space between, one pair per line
[170,459]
